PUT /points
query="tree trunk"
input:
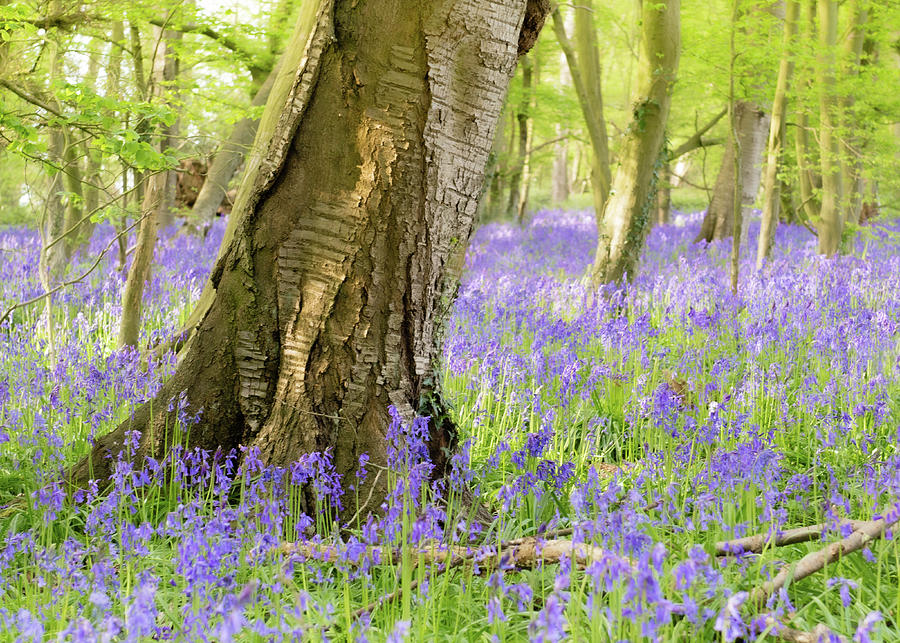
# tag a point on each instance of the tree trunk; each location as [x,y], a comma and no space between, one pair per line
[807,180]
[831,222]
[522,116]
[525,183]
[142,263]
[584,67]
[753,124]
[628,211]
[771,184]
[737,188]
[495,174]
[348,235]
[559,182]
[153,208]
[851,163]
[169,133]
[663,194]
[229,157]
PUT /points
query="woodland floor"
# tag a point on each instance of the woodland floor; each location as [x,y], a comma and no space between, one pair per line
[633,433]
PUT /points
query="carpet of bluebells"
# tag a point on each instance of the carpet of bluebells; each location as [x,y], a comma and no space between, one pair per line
[651,421]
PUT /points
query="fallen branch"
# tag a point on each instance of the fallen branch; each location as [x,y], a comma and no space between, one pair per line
[755,544]
[520,553]
[811,563]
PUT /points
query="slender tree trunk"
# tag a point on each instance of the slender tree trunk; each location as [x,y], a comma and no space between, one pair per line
[525,183]
[734,138]
[348,235]
[584,67]
[810,204]
[142,263]
[630,206]
[851,159]
[663,194]
[153,206]
[495,174]
[559,183]
[74,182]
[771,184]
[559,178]
[830,224]
[229,156]
[53,258]
[169,133]
[522,116]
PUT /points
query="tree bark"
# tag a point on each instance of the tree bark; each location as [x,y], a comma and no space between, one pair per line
[851,161]
[559,181]
[831,221]
[663,194]
[153,208]
[628,211]
[737,188]
[753,124]
[523,112]
[229,156]
[584,67]
[347,237]
[771,184]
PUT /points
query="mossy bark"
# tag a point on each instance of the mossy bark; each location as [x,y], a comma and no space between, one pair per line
[631,204]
